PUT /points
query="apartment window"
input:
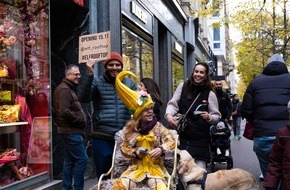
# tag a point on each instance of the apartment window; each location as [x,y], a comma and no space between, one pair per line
[216,14]
[216,34]
[216,45]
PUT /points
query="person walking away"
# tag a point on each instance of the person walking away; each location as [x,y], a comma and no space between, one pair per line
[145,141]
[224,100]
[265,106]
[237,117]
[196,136]
[109,112]
[150,86]
[71,121]
[278,173]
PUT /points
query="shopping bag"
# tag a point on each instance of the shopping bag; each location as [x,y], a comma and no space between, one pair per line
[181,124]
[248,132]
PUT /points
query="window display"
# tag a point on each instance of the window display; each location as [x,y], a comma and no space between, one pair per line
[24,91]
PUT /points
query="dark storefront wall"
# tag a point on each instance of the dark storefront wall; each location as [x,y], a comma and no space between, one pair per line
[161,29]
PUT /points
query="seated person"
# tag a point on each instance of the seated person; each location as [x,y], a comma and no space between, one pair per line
[145,141]
[220,138]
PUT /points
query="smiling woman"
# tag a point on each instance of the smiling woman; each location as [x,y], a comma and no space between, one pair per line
[197,90]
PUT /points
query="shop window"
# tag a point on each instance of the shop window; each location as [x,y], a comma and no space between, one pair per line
[24,92]
[177,74]
[137,54]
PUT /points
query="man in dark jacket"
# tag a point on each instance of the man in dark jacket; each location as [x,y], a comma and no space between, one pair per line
[110,114]
[265,105]
[225,103]
[71,121]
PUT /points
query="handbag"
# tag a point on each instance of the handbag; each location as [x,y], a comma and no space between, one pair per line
[181,118]
[248,132]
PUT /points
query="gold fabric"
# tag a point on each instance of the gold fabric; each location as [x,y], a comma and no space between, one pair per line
[147,168]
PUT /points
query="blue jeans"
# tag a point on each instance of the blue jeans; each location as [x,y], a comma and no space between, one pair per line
[262,148]
[103,153]
[75,162]
[237,125]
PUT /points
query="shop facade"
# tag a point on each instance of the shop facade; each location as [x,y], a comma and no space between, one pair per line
[25,119]
[154,36]
[39,38]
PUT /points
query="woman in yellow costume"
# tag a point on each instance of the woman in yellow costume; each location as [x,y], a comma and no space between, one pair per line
[146,141]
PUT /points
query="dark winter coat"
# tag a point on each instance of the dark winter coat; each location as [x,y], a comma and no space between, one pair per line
[110,114]
[70,116]
[279,165]
[225,104]
[265,101]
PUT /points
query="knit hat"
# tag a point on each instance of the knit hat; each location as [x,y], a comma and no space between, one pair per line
[136,101]
[221,125]
[114,56]
[276,58]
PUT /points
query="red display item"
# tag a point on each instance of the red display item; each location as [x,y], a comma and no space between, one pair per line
[10,155]
[7,159]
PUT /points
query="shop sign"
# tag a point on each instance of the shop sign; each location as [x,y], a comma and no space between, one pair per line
[138,12]
[94,47]
[178,47]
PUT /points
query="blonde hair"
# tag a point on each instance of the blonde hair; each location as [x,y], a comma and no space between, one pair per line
[131,126]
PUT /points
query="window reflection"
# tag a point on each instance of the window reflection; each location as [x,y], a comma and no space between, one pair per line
[137,54]
[177,74]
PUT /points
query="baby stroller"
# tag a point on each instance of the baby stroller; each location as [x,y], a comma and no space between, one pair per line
[220,146]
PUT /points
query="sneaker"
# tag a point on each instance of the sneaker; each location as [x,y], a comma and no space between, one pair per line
[227,153]
[218,151]
[261,177]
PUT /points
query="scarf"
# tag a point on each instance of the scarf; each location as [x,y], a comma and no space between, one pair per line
[144,130]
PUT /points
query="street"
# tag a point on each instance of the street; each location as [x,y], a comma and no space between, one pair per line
[243,155]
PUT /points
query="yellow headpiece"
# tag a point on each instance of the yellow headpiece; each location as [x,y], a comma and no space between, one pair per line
[135,101]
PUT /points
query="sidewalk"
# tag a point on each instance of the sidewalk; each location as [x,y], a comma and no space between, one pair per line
[89,183]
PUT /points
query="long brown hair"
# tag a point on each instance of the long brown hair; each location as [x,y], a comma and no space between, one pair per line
[152,89]
[190,84]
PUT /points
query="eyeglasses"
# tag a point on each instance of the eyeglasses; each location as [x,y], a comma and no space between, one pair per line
[76,74]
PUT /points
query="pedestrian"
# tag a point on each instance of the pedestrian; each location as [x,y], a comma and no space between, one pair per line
[145,141]
[196,136]
[150,86]
[109,112]
[224,100]
[71,121]
[278,173]
[237,117]
[264,105]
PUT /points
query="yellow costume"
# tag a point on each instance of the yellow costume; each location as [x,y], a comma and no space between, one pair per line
[146,168]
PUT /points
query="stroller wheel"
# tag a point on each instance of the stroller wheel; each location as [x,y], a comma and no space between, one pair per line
[230,163]
[212,165]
